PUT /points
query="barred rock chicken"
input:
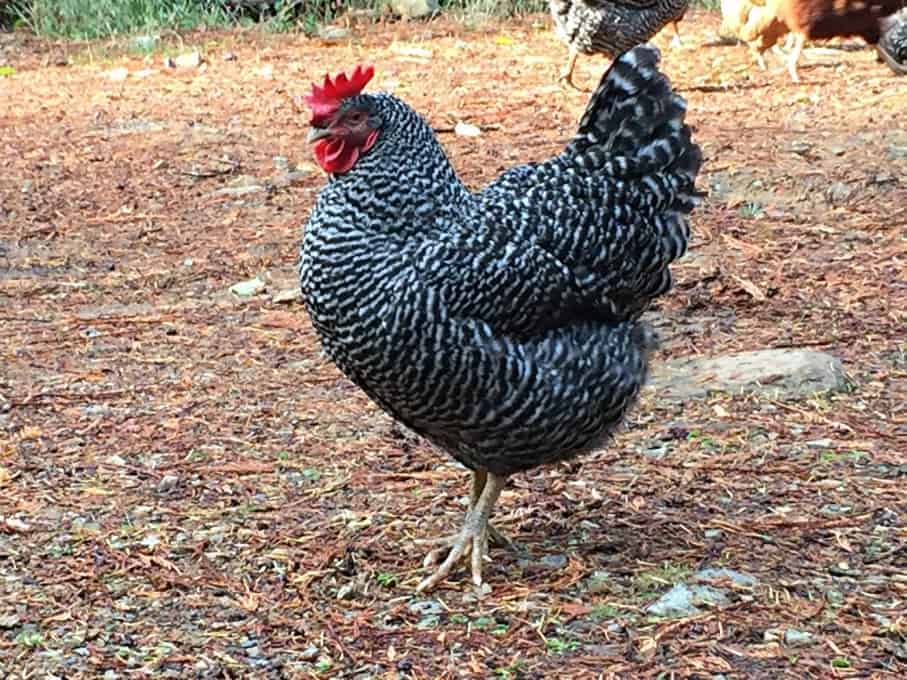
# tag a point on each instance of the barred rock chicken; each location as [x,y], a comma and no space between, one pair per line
[610,27]
[892,46]
[500,325]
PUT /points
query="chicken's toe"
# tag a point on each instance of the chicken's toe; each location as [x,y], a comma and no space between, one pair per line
[462,547]
[472,539]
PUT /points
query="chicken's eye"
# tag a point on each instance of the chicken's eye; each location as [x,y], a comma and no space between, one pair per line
[356,117]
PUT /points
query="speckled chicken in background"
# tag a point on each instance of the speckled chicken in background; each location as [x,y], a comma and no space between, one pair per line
[502,325]
[611,27]
[892,46]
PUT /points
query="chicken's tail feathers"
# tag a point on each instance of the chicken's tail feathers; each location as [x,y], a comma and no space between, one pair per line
[634,123]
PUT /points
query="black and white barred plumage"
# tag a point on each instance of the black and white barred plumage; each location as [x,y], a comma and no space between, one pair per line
[503,325]
[893,45]
[611,27]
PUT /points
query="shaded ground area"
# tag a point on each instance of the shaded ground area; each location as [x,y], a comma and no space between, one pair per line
[188,489]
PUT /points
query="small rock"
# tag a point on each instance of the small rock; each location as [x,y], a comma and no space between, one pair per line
[462,129]
[554,561]
[9,621]
[282,163]
[547,562]
[415,9]
[843,569]
[835,510]
[839,193]
[426,608]
[656,450]
[16,524]
[310,653]
[820,443]
[235,192]
[713,533]
[248,288]
[896,153]
[144,73]
[771,635]
[794,638]
[116,460]
[189,60]
[612,650]
[117,74]
[717,574]
[287,179]
[145,42]
[599,582]
[168,483]
[286,296]
[228,56]
[98,410]
[151,540]
[682,600]
[346,592]
[333,33]
[835,597]
[883,621]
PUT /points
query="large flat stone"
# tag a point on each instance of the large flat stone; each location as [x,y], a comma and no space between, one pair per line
[415,9]
[780,373]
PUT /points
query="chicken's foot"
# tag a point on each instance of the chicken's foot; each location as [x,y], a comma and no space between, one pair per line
[760,59]
[566,76]
[445,543]
[473,537]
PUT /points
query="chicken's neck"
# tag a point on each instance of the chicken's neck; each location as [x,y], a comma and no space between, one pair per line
[402,186]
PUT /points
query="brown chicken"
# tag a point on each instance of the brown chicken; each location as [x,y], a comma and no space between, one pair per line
[764,22]
[755,22]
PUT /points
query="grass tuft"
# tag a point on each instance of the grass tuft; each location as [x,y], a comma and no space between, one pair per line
[93,19]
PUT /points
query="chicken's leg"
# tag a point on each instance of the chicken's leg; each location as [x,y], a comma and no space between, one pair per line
[479,477]
[473,538]
[758,56]
[567,74]
[795,57]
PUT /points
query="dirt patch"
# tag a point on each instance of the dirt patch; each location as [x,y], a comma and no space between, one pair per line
[189,489]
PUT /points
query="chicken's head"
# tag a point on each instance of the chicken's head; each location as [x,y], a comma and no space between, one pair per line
[343,125]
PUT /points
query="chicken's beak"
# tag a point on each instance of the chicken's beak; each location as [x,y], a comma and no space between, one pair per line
[317,133]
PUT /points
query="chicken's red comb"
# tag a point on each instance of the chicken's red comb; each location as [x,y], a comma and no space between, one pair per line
[324,100]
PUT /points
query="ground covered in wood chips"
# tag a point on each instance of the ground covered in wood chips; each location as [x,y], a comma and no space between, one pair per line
[189,489]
